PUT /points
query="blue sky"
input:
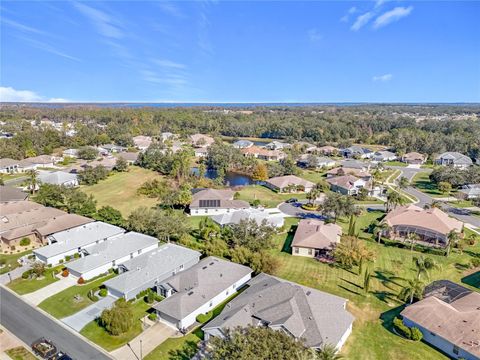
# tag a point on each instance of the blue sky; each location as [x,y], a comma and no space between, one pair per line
[337,51]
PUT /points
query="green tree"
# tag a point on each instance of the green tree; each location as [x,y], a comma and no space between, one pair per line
[32,180]
[411,289]
[412,238]
[338,205]
[121,165]
[444,187]
[403,182]
[394,199]
[312,195]
[110,215]
[328,352]
[119,319]
[423,265]
[87,153]
[453,237]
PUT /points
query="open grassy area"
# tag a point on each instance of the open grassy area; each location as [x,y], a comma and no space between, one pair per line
[422,182]
[25,286]
[372,337]
[461,203]
[64,304]
[395,163]
[20,353]
[313,175]
[119,190]
[179,348]
[96,333]
[12,260]
[267,197]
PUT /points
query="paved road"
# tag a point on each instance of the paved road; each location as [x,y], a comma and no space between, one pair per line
[29,324]
[295,210]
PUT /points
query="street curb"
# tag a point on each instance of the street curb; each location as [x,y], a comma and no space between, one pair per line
[73,332]
[26,346]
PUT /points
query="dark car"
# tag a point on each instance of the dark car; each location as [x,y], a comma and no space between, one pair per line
[291,200]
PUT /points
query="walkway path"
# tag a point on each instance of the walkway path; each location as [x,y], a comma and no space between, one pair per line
[149,339]
[38,296]
[78,321]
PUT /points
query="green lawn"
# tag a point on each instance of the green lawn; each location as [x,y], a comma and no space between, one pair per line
[371,337]
[25,286]
[394,163]
[461,203]
[20,353]
[422,182]
[63,304]
[369,200]
[313,175]
[119,190]
[178,348]
[11,260]
[267,197]
[94,332]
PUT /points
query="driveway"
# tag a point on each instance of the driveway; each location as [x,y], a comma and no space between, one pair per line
[14,274]
[38,296]
[295,210]
[150,339]
[78,321]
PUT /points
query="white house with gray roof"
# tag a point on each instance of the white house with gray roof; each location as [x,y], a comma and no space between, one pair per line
[110,254]
[455,159]
[148,270]
[235,217]
[199,290]
[471,191]
[304,313]
[74,240]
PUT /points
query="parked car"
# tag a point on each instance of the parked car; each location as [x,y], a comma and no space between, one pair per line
[291,200]
[44,348]
[60,356]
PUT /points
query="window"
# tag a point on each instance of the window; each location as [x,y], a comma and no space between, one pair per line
[227,292]
[181,267]
[211,303]
[310,252]
[297,250]
[455,349]
[139,251]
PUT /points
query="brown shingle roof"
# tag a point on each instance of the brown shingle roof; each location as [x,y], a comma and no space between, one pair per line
[346,181]
[312,233]
[5,162]
[283,181]
[9,193]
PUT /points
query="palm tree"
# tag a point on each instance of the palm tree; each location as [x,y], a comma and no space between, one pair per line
[313,195]
[393,200]
[32,180]
[328,352]
[411,289]
[412,238]
[380,229]
[423,265]
[452,238]
[403,182]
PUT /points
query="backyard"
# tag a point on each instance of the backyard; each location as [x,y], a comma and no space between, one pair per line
[64,303]
[267,197]
[119,190]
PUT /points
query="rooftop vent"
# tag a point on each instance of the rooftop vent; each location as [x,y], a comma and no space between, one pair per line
[190,293]
[211,263]
[308,292]
[204,267]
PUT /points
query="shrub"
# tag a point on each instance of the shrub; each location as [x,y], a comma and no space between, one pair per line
[60,261]
[65,273]
[158,297]
[103,292]
[119,319]
[76,255]
[25,241]
[26,274]
[68,258]
[256,203]
[152,316]
[81,281]
[401,328]
[203,318]
[12,247]
[150,298]
[416,334]
[475,262]
[3,262]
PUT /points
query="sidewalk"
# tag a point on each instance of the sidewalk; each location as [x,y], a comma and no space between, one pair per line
[38,296]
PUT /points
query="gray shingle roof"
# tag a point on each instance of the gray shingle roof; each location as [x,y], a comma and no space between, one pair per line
[111,250]
[158,263]
[457,158]
[199,284]
[306,313]
[56,177]
[79,236]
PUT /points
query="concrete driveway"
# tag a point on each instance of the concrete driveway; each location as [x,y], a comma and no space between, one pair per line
[38,296]
[78,321]
[295,210]
[150,339]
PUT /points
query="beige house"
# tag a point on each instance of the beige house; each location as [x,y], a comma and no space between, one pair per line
[414,158]
[314,238]
[431,225]
[142,142]
[201,140]
[289,183]
[215,202]
[8,165]
[347,184]
[263,153]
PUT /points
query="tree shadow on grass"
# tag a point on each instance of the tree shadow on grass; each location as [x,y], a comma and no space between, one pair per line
[386,278]
[188,350]
[388,316]
[472,253]
[349,290]
[287,245]
[352,283]
[385,296]
[462,267]
[472,280]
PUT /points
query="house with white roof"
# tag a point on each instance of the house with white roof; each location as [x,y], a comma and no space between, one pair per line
[74,240]
[356,151]
[380,156]
[235,217]
[98,259]
[57,178]
[148,270]
[470,191]
[455,159]
[242,144]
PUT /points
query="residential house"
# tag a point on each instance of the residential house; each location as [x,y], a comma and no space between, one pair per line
[200,152]
[455,159]
[414,158]
[328,150]
[57,178]
[73,153]
[102,257]
[73,241]
[25,219]
[129,157]
[314,238]
[201,140]
[431,225]
[316,317]
[263,153]
[382,156]
[316,162]
[43,161]
[277,145]
[148,270]
[10,193]
[142,142]
[347,184]
[289,183]
[357,152]
[199,290]
[214,202]
[470,191]
[341,171]
[113,149]
[242,144]
[356,164]
[8,166]
[167,136]
[260,216]
[449,318]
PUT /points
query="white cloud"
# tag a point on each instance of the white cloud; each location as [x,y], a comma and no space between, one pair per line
[168,64]
[9,94]
[346,17]
[105,24]
[23,28]
[361,21]
[170,8]
[48,48]
[383,78]
[392,16]
[379,3]
[314,35]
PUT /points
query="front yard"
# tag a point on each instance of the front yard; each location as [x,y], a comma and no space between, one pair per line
[12,260]
[119,190]
[64,303]
[25,286]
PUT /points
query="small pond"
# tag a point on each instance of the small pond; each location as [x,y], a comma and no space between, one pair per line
[231,178]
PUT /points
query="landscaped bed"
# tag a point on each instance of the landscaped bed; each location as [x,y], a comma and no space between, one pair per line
[25,286]
[20,353]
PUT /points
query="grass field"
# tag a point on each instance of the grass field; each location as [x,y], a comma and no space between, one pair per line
[20,353]
[181,348]
[63,304]
[96,333]
[267,197]
[313,175]
[372,337]
[11,260]
[25,286]
[422,182]
[395,163]
[119,190]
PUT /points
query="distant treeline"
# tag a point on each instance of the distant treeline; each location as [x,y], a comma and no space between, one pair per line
[397,126]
